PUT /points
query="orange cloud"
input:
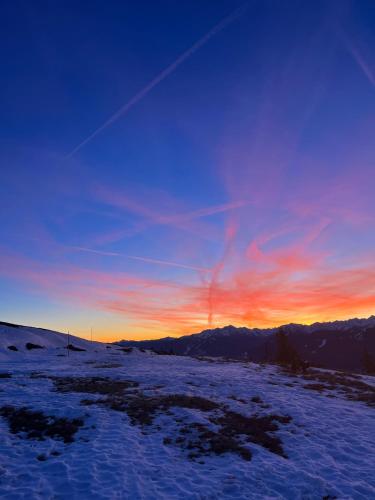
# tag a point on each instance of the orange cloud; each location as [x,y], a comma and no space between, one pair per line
[255,296]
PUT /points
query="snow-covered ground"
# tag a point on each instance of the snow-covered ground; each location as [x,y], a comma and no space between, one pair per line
[14,341]
[330,441]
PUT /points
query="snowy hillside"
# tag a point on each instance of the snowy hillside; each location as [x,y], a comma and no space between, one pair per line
[24,342]
[136,425]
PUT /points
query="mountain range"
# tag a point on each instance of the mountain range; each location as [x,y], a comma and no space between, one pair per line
[337,344]
[340,345]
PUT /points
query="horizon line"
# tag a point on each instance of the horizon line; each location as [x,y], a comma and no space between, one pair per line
[69,331]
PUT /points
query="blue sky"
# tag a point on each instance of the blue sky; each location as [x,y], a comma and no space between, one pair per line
[239,188]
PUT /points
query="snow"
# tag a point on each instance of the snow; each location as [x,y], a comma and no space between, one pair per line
[322,344]
[53,343]
[330,441]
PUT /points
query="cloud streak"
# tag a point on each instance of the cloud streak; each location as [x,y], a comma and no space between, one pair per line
[156,208]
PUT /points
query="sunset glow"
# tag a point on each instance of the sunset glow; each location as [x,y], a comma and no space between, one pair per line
[238,188]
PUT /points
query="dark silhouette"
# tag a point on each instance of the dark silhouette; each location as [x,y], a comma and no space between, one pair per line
[337,345]
[286,354]
[72,347]
[29,346]
[368,362]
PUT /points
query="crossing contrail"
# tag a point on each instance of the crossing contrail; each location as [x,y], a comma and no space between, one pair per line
[161,76]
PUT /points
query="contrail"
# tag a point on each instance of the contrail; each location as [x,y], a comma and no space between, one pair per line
[143,259]
[357,55]
[161,76]
[361,63]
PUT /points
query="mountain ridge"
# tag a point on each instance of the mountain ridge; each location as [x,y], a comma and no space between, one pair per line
[337,344]
[370,321]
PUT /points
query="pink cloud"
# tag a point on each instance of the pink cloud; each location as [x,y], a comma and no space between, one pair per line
[253,296]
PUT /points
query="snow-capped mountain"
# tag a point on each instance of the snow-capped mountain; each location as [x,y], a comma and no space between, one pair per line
[336,344]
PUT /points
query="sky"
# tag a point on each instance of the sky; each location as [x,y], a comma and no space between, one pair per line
[167,167]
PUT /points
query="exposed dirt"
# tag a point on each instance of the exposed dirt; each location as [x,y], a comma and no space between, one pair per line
[108,365]
[350,386]
[93,385]
[37,425]
[72,347]
[30,346]
[255,428]
[232,430]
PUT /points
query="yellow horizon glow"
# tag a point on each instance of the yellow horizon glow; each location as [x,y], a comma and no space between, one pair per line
[139,334]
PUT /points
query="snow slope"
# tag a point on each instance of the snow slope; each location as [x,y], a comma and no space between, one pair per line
[330,441]
[53,343]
